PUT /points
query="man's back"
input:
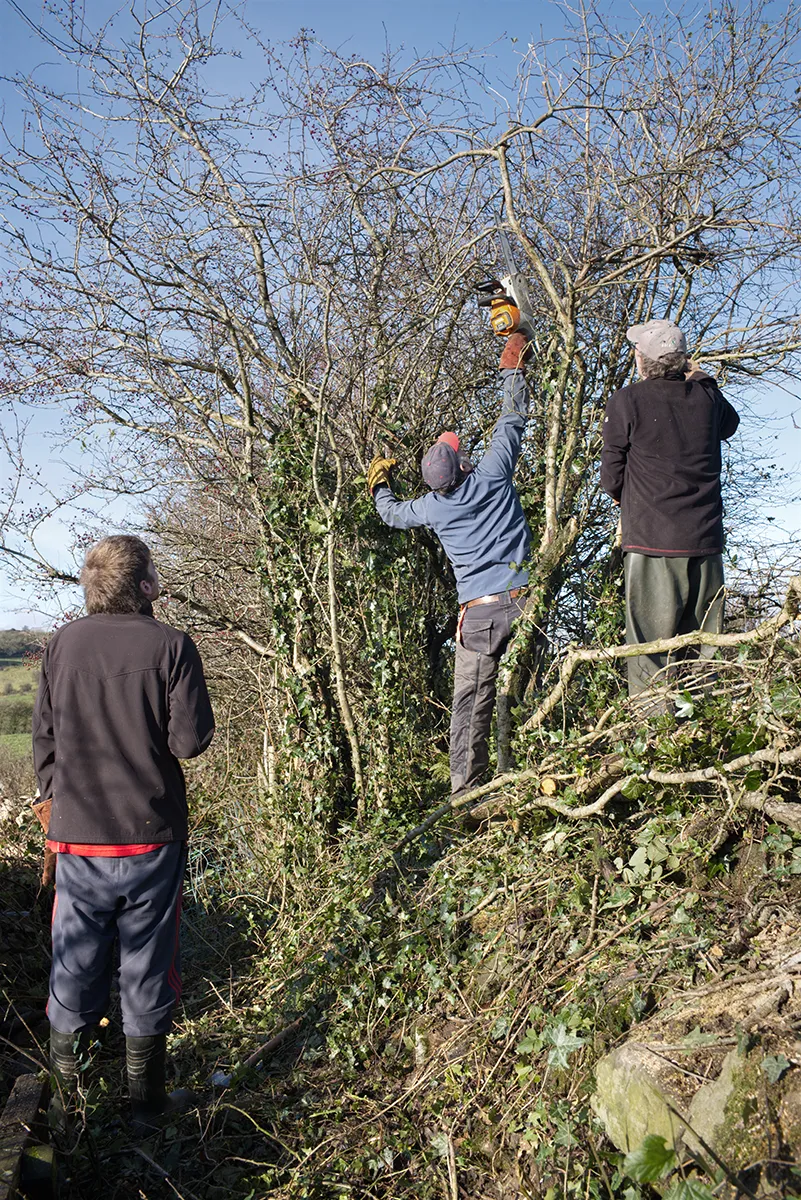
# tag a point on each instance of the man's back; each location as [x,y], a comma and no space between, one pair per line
[481,523]
[661,458]
[121,698]
[483,532]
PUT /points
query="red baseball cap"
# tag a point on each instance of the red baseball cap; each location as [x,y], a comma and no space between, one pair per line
[450,439]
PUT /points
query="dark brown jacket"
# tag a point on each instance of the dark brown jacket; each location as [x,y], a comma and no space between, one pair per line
[121,698]
[661,459]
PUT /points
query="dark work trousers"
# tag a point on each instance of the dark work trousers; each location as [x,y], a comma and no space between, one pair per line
[136,899]
[665,597]
[485,633]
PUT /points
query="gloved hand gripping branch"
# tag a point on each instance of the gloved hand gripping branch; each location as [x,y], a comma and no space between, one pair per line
[379,472]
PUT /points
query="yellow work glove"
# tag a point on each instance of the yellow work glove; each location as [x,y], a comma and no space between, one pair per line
[378,472]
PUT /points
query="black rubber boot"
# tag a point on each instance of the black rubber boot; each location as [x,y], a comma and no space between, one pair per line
[146,1063]
[68,1053]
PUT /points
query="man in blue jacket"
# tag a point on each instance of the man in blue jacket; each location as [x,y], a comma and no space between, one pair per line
[476,514]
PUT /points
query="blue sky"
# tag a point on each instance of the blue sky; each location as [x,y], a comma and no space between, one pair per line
[364,27]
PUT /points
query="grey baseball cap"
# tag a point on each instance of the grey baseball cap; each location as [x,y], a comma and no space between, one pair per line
[440,467]
[656,339]
[445,465]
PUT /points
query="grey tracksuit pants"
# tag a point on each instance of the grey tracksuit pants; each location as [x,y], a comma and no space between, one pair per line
[136,899]
[665,597]
[485,633]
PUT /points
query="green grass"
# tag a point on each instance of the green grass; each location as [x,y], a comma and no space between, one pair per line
[17,680]
[19,744]
[15,713]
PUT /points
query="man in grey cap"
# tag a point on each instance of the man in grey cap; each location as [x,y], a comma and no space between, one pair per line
[661,463]
[477,516]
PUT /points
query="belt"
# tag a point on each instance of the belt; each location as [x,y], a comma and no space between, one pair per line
[515,592]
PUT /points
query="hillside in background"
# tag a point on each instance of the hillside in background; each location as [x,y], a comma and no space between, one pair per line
[17,643]
[19,673]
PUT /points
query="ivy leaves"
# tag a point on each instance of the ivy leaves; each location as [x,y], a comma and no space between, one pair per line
[563,1042]
[654,1160]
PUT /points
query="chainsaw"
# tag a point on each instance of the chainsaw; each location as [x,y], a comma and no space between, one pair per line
[507,298]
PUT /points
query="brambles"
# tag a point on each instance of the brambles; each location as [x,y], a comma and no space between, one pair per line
[454,1002]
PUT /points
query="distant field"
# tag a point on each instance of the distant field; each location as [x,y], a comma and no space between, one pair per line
[18,744]
[17,680]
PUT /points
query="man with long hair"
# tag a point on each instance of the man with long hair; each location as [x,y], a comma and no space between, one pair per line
[122,697]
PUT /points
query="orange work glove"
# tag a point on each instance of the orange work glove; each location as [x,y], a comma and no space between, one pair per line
[42,809]
[516,352]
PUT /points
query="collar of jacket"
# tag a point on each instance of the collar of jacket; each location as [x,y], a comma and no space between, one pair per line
[145,611]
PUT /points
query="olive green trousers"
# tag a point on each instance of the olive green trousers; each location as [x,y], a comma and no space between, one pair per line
[665,597]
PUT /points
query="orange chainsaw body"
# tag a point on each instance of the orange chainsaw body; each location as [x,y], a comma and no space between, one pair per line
[504,316]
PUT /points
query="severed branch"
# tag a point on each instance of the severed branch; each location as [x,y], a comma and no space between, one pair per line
[273,1043]
[787,814]
[466,802]
[512,780]
[698,637]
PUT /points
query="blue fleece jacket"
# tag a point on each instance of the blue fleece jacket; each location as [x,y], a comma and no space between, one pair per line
[481,524]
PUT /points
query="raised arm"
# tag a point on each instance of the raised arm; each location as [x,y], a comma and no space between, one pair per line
[399,514]
[507,436]
[729,420]
[729,417]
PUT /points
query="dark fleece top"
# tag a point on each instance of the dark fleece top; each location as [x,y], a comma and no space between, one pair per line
[121,698]
[661,460]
